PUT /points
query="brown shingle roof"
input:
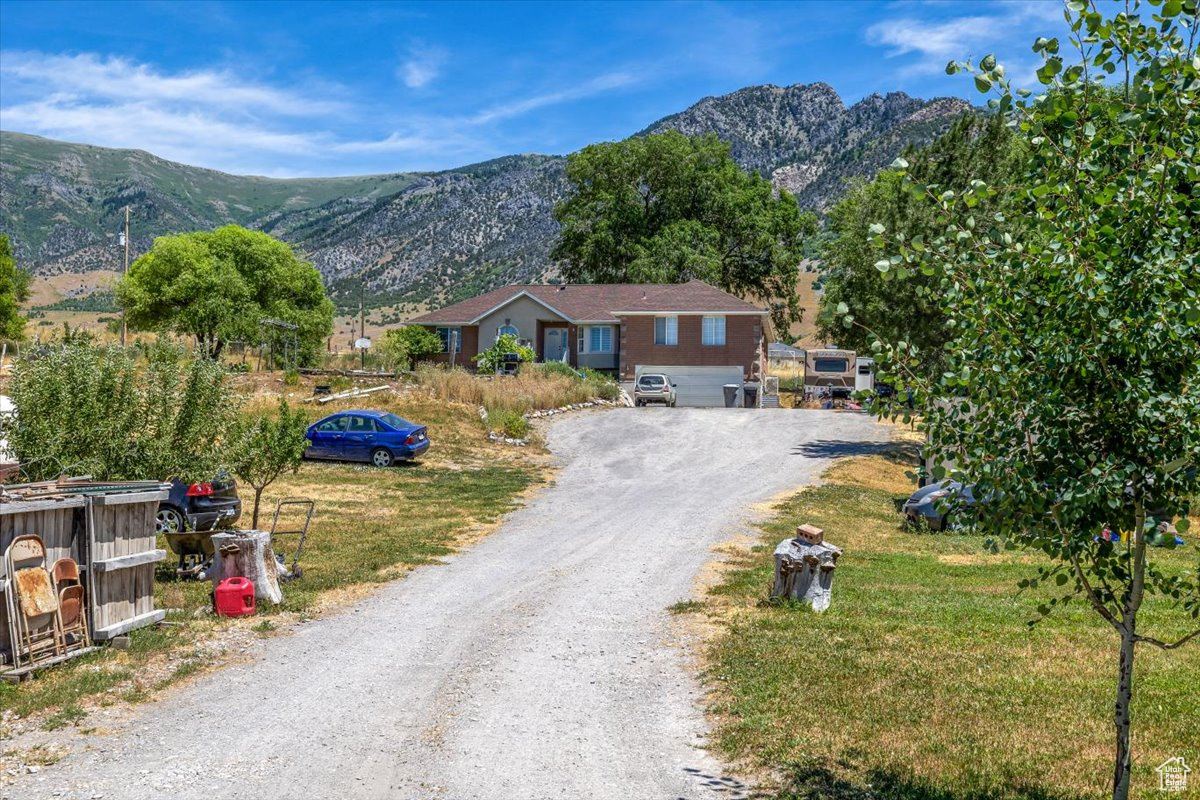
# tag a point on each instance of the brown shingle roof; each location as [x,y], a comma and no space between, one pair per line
[598,302]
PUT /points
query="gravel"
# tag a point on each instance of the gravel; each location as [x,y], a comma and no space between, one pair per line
[541,663]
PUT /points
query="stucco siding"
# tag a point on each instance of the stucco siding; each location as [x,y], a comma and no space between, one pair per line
[524,313]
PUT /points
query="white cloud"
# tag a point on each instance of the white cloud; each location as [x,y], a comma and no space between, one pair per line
[424,63]
[936,42]
[515,108]
[116,79]
[217,119]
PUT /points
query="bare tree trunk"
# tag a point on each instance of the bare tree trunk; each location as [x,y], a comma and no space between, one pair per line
[1128,631]
[257,497]
[1124,696]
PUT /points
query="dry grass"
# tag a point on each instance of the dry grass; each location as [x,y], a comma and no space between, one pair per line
[922,681]
[527,391]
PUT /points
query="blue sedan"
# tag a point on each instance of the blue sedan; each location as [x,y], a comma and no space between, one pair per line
[379,437]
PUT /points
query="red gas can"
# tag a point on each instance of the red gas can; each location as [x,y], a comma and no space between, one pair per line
[235,597]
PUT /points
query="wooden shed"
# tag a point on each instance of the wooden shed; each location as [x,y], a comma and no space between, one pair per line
[108,529]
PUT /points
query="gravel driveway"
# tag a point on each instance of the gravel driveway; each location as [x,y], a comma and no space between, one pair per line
[538,664]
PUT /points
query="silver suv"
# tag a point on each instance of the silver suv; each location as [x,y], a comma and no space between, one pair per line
[654,388]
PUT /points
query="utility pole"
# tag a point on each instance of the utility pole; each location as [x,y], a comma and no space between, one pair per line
[362,319]
[125,272]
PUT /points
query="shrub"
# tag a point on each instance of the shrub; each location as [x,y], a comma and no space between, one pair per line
[558,368]
[291,378]
[508,422]
[601,385]
[402,347]
[491,359]
[82,408]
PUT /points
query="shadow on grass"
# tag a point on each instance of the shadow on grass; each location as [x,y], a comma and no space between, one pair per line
[816,782]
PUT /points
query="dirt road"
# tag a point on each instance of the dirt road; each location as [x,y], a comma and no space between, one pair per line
[539,664]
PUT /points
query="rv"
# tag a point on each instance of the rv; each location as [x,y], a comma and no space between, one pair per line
[829,373]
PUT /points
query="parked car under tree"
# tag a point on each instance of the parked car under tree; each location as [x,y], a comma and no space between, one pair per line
[199,506]
[377,437]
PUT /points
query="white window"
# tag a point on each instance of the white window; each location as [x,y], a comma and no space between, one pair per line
[448,334]
[508,330]
[713,331]
[599,339]
[666,330]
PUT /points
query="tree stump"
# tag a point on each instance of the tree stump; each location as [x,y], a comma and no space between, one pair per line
[804,568]
[247,554]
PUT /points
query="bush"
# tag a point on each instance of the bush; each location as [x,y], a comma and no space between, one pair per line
[559,368]
[85,409]
[601,385]
[508,422]
[402,347]
[291,378]
[491,359]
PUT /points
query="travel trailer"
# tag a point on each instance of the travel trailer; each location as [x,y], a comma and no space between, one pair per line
[829,373]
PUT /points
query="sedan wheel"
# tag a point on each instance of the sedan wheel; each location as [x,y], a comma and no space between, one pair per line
[168,520]
[381,458]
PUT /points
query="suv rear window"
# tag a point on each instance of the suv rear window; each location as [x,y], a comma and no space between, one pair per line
[651,380]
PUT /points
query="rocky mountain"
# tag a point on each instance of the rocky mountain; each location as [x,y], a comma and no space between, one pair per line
[424,237]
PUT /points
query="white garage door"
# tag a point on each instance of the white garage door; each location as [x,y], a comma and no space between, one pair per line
[697,386]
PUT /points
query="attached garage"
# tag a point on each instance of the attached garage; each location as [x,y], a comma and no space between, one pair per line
[697,386]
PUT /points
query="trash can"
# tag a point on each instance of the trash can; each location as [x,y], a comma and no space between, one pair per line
[750,395]
[731,395]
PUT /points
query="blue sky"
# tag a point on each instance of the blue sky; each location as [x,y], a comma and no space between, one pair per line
[338,88]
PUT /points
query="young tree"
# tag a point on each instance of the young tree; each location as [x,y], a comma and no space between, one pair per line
[263,447]
[1071,395]
[403,347]
[218,285]
[666,208]
[14,290]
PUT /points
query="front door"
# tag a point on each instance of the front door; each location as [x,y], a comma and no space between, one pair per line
[554,344]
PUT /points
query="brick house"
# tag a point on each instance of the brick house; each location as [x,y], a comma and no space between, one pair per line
[701,336]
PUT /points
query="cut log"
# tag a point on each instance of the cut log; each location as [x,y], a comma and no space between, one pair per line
[804,572]
[247,554]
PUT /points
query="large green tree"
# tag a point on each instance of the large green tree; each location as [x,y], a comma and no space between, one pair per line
[219,285]
[667,208]
[912,310]
[1071,394]
[14,290]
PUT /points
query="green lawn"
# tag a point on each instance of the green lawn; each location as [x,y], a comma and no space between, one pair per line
[923,681]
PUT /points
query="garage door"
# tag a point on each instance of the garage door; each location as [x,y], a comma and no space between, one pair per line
[697,386]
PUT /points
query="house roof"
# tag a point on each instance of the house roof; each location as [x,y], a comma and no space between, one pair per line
[596,302]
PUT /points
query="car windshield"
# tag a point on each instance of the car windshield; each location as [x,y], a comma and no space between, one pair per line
[652,380]
[395,422]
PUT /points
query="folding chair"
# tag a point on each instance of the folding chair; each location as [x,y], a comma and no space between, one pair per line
[65,572]
[33,607]
[74,620]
